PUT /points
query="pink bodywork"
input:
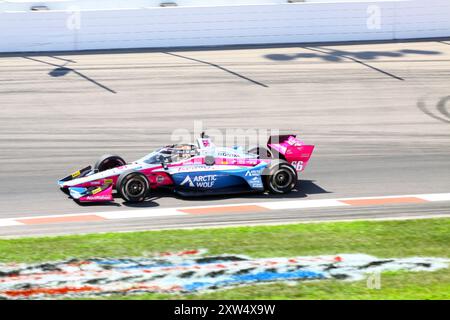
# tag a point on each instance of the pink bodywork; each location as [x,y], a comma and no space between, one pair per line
[105,195]
[295,152]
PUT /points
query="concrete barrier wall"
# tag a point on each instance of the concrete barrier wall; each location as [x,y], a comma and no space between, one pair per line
[222,25]
[24,5]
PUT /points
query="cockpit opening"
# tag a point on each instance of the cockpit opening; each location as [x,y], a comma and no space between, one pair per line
[172,153]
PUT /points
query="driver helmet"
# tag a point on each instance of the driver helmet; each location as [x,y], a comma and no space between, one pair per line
[183,152]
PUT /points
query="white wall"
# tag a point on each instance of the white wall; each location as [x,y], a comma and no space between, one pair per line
[24,5]
[222,25]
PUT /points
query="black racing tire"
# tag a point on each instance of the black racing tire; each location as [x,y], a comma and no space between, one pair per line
[263,153]
[280,177]
[133,186]
[108,161]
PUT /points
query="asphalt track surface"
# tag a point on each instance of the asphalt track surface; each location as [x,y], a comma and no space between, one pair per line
[379,115]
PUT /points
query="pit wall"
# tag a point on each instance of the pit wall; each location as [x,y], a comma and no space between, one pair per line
[79,25]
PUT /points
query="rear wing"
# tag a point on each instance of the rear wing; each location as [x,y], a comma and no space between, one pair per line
[281,138]
[291,149]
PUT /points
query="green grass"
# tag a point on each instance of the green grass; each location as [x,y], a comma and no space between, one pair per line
[382,239]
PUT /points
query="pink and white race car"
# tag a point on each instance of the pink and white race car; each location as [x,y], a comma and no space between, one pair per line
[193,169]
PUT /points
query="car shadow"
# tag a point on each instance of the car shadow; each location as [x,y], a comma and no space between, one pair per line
[98,204]
[147,203]
[303,189]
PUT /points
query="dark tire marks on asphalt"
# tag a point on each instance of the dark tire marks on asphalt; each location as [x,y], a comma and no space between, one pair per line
[442,107]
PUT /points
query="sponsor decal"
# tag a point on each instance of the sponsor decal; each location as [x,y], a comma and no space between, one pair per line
[293,141]
[253,173]
[245,161]
[226,154]
[108,181]
[159,179]
[105,197]
[189,168]
[188,181]
[256,182]
[280,148]
[96,190]
[95,183]
[206,181]
[76,174]
[189,272]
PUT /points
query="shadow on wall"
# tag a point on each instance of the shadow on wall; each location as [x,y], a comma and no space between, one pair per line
[333,55]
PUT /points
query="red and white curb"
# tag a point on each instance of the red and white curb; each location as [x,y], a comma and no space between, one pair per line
[226,209]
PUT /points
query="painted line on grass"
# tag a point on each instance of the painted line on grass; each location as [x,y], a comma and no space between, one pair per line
[226,209]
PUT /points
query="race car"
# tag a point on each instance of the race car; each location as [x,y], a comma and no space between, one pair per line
[193,169]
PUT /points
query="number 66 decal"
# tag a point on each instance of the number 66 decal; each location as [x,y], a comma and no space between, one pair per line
[298,165]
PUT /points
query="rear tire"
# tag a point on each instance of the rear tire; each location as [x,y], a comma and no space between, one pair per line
[109,161]
[133,186]
[280,177]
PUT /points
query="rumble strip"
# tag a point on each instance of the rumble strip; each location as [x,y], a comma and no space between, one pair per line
[225,209]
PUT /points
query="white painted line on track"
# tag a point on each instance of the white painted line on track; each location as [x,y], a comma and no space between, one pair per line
[435,197]
[299,204]
[140,213]
[9,223]
[426,196]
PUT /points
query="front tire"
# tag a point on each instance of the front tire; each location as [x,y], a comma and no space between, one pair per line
[133,186]
[280,177]
[109,161]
